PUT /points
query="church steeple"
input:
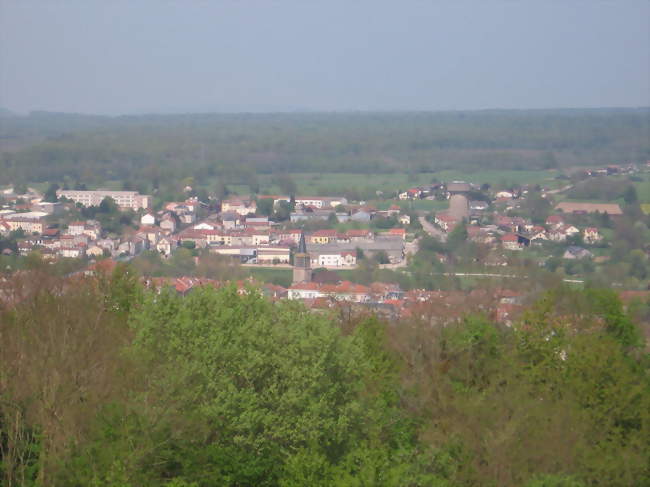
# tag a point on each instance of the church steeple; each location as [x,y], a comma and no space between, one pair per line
[301,262]
[302,245]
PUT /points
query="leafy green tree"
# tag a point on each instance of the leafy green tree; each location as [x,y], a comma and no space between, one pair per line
[282,211]
[630,196]
[181,263]
[50,194]
[457,237]
[221,191]
[265,206]
[261,399]
[108,206]
[381,257]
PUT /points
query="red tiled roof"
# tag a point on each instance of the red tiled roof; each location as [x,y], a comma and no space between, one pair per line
[324,233]
[358,233]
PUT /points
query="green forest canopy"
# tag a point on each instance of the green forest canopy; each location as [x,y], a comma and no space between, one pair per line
[135,388]
[154,148]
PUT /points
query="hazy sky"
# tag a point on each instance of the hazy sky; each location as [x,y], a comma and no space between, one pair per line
[113,57]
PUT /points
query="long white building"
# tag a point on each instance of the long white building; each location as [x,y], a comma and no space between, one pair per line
[124,199]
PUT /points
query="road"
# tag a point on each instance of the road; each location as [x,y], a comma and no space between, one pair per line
[560,190]
[432,230]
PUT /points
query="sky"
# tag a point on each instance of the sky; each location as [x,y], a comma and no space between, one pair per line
[160,56]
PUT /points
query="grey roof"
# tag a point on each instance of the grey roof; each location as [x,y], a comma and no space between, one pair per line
[380,243]
[458,187]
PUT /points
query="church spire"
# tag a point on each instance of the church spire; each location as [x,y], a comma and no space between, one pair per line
[302,245]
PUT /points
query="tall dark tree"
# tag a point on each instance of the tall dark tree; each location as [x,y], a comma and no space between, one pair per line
[50,195]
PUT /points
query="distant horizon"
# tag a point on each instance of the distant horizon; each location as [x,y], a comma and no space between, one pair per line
[307,111]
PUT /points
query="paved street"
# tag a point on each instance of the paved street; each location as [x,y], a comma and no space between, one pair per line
[432,230]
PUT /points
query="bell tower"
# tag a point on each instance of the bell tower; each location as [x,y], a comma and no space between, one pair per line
[301,263]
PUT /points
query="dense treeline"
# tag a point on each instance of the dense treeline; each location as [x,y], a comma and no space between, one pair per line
[146,150]
[104,383]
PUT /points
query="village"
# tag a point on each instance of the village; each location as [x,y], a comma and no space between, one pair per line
[316,236]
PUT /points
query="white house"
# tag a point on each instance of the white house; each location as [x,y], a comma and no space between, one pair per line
[148,219]
[591,235]
[334,259]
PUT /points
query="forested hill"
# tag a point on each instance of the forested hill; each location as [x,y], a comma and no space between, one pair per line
[105,383]
[46,146]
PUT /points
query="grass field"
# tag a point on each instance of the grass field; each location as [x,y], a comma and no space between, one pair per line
[281,277]
[323,184]
[643,190]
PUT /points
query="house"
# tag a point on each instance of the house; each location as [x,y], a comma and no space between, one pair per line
[25,248]
[27,224]
[310,213]
[510,241]
[76,228]
[320,202]
[561,233]
[414,193]
[504,194]
[73,252]
[575,252]
[591,235]
[343,258]
[150,234]
[538,233]
[477,205]
[569,230]
[397,232]
[393,210]
[257,222]
[107,244]
[445,221]
[166,246]
[292,235]
[323,237]
[148,219]
[361,216]
[205,226]
[556,235]
[554,221]
[92,229]
[359,235]
[512,223]
[240,206]
[95,251]
[132,246]
[168,223]
[273,254]
[230,220]
[259,237]
[405,219]
[5,228]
